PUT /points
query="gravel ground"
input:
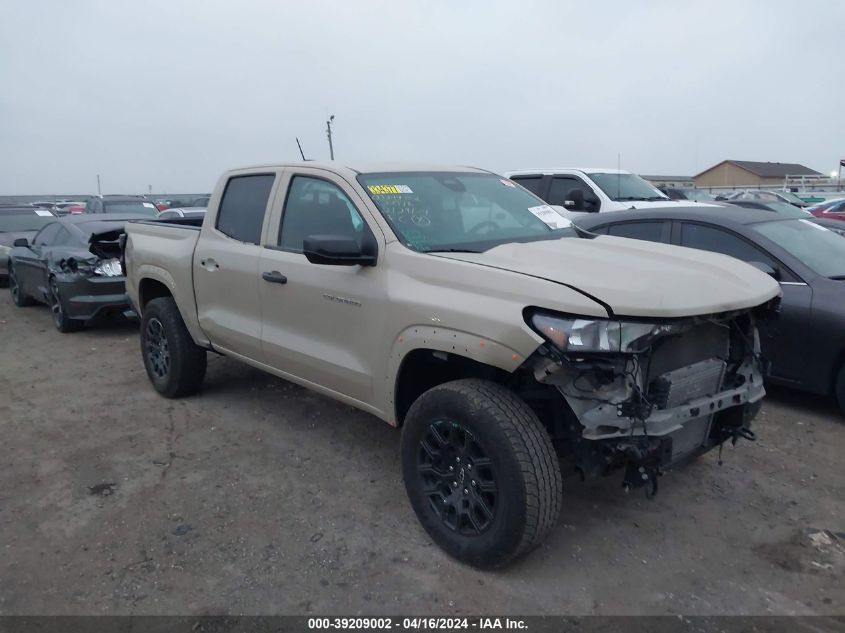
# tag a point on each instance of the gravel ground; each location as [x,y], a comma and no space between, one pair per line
[259,497]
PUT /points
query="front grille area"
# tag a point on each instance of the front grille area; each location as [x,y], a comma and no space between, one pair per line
[678,386]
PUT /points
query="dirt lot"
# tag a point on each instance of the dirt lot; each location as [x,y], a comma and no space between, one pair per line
[259,497]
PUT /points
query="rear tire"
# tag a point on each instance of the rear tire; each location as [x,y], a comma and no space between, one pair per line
[61,320]
[480,471]
[839,388]
[19,298]
[175,364]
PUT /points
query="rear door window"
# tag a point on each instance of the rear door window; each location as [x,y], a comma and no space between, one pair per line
[648,231]
[243,207]
[532,183]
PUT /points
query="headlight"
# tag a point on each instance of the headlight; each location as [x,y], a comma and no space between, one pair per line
[108,268]
[577,334]
[5,250]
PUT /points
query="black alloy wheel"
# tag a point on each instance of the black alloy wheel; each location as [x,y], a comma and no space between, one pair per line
[480,471]
[175,365]
[457,477]
[156,349]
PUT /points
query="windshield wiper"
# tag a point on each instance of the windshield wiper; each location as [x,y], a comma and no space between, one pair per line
[837,277]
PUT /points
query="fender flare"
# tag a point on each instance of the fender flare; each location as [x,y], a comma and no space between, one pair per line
[416,337]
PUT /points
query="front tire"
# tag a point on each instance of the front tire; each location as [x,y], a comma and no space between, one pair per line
[175,364]
[19,297]
[480,471]
[61,320]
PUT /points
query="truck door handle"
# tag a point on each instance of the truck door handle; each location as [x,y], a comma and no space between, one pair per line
[209,264]
[274,277]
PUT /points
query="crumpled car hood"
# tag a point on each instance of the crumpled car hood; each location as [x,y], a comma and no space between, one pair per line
[637,278]
[106,244]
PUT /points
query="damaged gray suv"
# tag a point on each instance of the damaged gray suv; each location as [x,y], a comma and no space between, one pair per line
[510,347]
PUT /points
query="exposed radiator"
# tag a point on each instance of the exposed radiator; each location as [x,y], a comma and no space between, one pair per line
[676,387]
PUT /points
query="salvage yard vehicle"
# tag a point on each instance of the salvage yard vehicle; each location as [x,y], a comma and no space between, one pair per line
[509,346]
[133,205]
[768,196]
[804,344]
[17,221]
[72,264]
[594,190]
[832,209]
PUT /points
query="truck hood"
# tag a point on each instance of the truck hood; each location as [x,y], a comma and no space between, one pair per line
[637,278]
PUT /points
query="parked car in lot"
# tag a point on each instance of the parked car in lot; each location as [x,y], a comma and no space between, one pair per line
[805,344]
[592,190]
[44,204]
[783,209]
[788,211]
[832,210]
[132,205]
[72,264]
[460,307]
[18,221]
[182,212]
[69,207]
[768,196]
[687,193]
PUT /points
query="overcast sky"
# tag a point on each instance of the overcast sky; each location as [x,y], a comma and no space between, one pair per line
[169,93]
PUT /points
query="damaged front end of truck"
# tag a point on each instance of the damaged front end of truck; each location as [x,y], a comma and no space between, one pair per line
[645,395]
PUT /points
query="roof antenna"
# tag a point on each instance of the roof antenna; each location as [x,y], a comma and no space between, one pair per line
[299,145]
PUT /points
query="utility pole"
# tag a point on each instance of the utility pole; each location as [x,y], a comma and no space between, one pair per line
[150,187]
[99,191]
[329,134]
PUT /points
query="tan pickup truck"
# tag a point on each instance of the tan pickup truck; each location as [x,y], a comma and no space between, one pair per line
[510,347]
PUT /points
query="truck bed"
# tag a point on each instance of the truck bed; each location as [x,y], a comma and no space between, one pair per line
[163,252]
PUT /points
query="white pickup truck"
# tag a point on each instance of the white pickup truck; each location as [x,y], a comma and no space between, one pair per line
[596,190]
[511,347]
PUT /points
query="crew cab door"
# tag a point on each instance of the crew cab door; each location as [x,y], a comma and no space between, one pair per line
[321,323]
[225,265]
[783,338]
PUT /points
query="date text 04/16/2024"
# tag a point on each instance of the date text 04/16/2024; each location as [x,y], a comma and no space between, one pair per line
[417,623]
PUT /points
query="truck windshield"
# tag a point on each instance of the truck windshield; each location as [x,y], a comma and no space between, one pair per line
[822,251]
[456,211]
[626,187]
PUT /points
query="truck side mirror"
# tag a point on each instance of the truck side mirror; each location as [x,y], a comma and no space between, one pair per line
[574,200]
[337,250]
[22,242]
